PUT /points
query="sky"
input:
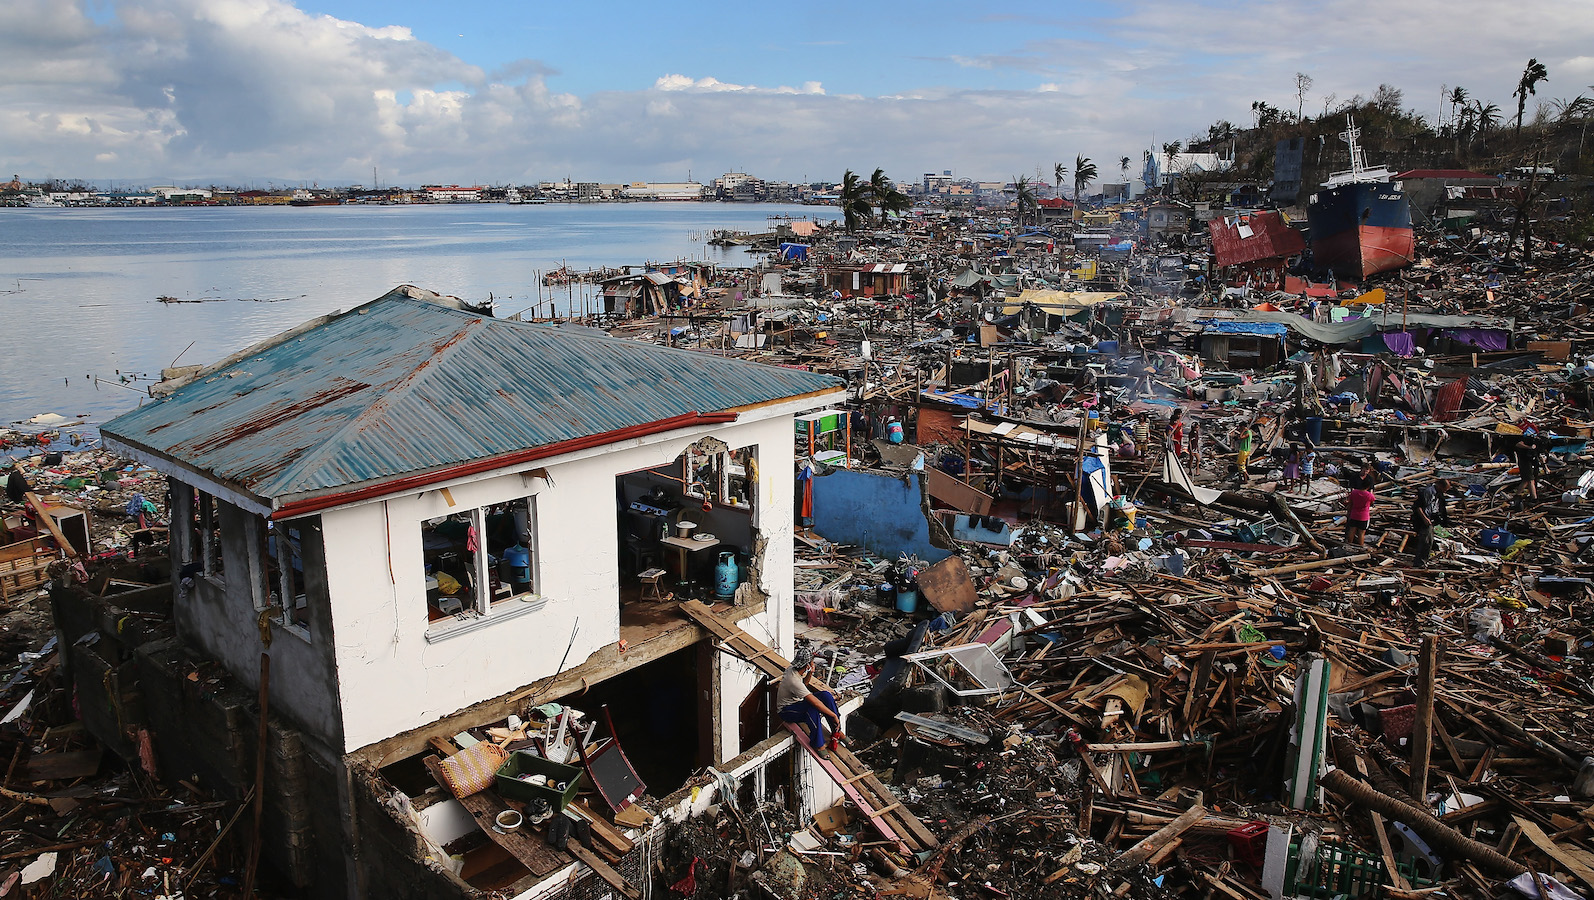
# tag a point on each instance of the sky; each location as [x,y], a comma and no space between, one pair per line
[495,92]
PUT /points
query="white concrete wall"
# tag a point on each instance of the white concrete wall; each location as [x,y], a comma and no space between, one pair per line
[391,679]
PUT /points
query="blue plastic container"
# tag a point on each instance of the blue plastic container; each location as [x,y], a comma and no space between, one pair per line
[1314,429]
[908,599]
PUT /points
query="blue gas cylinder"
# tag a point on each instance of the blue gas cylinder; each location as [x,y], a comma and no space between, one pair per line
[727,575]
[894,432]
[517,560]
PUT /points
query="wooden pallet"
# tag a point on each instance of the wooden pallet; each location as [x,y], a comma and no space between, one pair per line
[856,780]
[24,567]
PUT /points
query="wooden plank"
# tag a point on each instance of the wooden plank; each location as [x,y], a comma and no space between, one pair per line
[62,766]
[602,830]
[1387,852]
[856,780]
[603,870]
[1149,845]
[532,851]
[1555,851]
[44,518]
[1422,731]
[956,494]
[853,793]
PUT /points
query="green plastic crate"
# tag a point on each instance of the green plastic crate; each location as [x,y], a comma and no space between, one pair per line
[522,762]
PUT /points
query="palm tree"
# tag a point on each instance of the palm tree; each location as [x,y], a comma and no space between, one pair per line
[1084,174]
[854,199]
[1531,76]
[1458,100]
[1024,196]
[1059,172]
[885,197]
[1123,166]
[1488,116]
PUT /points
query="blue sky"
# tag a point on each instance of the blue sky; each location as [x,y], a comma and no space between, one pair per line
[229,91]
[873,49]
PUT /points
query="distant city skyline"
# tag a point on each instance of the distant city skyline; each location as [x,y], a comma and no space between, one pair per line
[246,91]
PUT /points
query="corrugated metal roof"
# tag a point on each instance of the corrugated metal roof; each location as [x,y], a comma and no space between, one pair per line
[401,385]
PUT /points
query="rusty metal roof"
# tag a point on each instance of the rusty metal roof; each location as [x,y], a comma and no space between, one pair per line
[401,385]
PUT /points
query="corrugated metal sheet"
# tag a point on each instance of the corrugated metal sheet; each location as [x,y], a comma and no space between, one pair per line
[1237,240]
[401,385]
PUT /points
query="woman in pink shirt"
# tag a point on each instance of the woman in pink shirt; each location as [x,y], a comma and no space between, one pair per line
[1359,505]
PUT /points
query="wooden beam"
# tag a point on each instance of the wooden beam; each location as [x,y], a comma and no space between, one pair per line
[1422,730]
[1555,851]
[1149,845]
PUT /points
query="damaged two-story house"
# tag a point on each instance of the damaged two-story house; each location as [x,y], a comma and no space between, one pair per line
[427,519]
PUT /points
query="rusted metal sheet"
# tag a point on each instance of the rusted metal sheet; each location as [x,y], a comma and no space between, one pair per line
[1254,237]
[947,586]
[400,385]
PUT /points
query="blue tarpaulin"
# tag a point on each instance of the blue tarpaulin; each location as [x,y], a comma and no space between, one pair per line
[793,251]
[1272,328]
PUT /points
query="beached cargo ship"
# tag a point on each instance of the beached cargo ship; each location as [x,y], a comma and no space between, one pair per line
[1360,221]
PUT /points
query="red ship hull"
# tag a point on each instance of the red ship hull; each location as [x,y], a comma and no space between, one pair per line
[1366,250]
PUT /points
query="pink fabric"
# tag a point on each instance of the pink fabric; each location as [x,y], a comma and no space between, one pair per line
[1360,502]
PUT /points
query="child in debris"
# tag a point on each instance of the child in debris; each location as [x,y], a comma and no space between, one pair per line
[1292,465]
[803,700]
[1359,504]
[1243,447]
[1142,430]
[1194,443]
[1308,465]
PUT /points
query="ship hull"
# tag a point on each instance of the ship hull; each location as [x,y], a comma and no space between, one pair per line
[1361,229]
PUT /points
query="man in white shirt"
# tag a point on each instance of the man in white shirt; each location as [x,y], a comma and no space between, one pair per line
[802,700]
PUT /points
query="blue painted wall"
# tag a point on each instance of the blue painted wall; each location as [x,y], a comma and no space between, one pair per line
[875,511]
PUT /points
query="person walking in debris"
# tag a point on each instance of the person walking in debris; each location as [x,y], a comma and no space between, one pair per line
[1529,448]
[1359,504]
[803,700]
[1243,448]
[1142,431]
[1194,443]
[1308,465]
[1176,433]
[1292,465]
[1428,509]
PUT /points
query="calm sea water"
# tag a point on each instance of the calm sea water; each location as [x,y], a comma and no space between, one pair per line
[79,287]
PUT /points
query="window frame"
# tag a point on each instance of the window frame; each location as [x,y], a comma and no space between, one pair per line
[485,608]
[290,602]
[212,549]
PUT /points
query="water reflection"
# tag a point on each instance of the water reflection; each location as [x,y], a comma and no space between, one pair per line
[78,287]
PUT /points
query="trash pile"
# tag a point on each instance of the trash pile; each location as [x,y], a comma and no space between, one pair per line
[80,823]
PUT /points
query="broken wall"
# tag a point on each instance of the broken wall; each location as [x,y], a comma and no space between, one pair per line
[884,513]
[386,648]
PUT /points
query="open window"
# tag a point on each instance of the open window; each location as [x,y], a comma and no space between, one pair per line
[478,558]
[207,537]
[688,525]
[290,542]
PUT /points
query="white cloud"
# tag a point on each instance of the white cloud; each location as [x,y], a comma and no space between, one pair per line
[241,89]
